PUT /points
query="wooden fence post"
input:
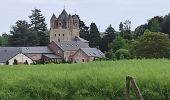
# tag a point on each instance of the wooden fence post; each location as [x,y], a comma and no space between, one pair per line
[129,81]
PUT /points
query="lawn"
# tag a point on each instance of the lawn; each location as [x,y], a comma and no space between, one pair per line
[103,80]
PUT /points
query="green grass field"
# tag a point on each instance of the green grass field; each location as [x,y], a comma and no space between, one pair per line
[103,80]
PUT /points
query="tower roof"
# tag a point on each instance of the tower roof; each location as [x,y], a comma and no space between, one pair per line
[70,17]
[53,17]
[75,17]
[63,15]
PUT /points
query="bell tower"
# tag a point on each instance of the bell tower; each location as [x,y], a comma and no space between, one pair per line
[64,28]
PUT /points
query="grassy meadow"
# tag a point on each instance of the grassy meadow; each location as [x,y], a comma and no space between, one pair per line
[103,80]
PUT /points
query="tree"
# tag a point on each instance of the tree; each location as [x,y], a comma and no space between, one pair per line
[125,29]
[165,28]
[158,18]
[153,45]
[118,43]
[4,40]
[155,26]
[107,39]
[94,36]
[84,30]
[39,26]
[140,30]
[121,27]
[21,35]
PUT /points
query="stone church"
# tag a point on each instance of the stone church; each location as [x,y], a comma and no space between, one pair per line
[65,44]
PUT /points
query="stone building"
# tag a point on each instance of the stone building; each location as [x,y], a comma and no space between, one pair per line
[64,28]
[65,44]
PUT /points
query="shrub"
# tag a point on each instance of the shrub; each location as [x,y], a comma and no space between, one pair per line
[122,54]
[7,63]
[15,62]
[153,45]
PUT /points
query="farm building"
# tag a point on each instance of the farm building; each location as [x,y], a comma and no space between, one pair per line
[65,44]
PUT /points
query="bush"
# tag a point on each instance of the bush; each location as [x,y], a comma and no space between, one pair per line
[26,62]
[15,62]
[153,45]
[122,54]
[7,63]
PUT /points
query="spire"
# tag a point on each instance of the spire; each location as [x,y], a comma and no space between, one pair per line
[53,16]
[63,15]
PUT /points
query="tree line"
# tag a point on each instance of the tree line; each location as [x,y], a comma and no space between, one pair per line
[150,40]
[23,33]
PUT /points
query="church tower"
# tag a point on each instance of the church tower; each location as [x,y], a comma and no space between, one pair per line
[64,28]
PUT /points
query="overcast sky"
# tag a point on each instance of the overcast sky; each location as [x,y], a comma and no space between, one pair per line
[102,12]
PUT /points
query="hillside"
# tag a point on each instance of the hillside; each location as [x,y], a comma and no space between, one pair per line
[93,81]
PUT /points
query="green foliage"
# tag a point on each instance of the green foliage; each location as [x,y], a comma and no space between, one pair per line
[140,31]
[166,24]
[119,43]
[155,26]
[107,39]
[110,55]
[94,36]
[122,54]
[103,80]
[125,30]
[21,35]
[153,45]
[38,21]
[39,26]
[84,30]
[4,40]
[158,18]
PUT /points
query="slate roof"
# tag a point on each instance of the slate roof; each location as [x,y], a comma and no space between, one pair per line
[81,39]
[53,17]
[38,50]
[75,17]
[52,56]
[7,53]
[63,15]
[93,52]
[71,45]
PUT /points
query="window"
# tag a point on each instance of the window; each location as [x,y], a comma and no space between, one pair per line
[59,24]
[55,35]
[63,34]
[59,34]
[82,60]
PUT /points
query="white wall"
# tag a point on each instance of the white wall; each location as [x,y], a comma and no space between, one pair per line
[21,58]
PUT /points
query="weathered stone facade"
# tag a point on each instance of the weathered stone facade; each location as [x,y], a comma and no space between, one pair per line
[64,28]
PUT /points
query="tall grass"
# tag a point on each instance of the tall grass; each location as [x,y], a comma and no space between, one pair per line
[103,80]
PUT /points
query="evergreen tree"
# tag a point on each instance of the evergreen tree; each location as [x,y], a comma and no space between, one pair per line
[107,39]
[158,18]
[155,26]
[39,26]
[165,28]
[140,30]
[94,36]
[21,35]
[84,30]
